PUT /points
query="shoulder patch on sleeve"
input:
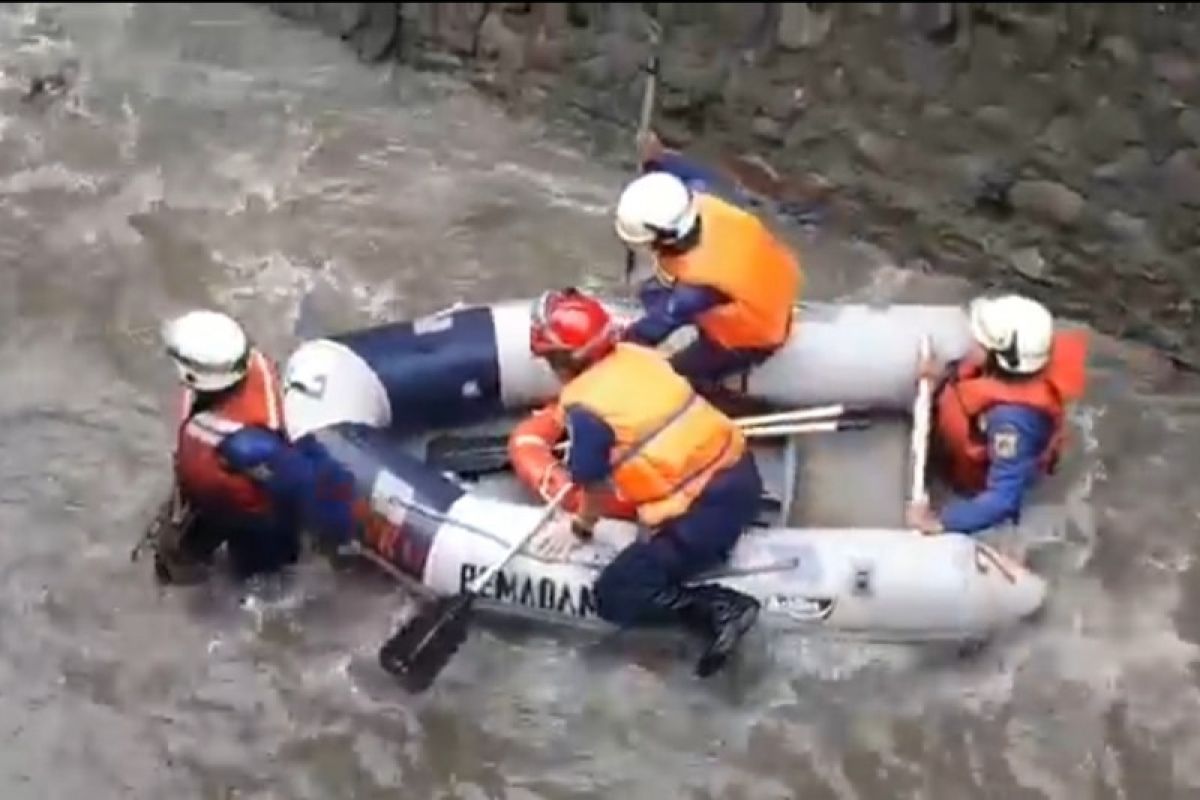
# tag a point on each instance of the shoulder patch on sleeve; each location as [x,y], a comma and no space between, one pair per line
[1005,440]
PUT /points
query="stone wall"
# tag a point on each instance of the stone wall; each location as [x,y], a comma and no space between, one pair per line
[1051,148]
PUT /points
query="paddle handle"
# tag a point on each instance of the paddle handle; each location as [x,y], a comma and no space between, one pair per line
[920,430]
[547,514]
[796,415]
[799,428]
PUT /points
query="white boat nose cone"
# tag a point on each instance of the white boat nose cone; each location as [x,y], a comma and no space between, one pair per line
[1029,594]
[1015,592]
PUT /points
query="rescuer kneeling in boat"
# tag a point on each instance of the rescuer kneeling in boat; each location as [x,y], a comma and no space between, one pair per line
[718,267]
[635,423]
[1000,413]
[238,481]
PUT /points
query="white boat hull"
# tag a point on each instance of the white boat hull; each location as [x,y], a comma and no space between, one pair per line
[386,389]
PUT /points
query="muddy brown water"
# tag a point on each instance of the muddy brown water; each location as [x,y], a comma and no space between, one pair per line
[217,155]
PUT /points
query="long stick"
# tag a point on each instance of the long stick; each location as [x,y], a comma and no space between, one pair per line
[795,415]
[824,420]
[920,430]
[797,428]
[547,514]
[644,119]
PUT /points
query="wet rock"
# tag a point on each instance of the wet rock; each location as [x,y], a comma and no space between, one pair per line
[768,129]
[937,112]
[436,61]
[997,120]
[49,86]
[876,150]
[801,27]
[1177,71]
[689,84]
[546,52]
[1181,177]
[1060,134]
[932,20]
[455,26]
[1189,124]
[1041,36]
[759,176]
[1132,165]
[1047,201]
[982,181]
[497,40]
[377,37]
[1125,227]
[617,60]
[745,24]
[1108,128]
[1028,261]
[1120,49]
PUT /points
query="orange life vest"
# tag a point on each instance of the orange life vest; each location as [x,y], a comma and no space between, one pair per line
[669,440]
[969,393]
[202,477]
[740,257]
[531,451]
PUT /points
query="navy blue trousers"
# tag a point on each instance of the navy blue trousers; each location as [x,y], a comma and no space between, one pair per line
[256,545]
[704,362]
[631,590]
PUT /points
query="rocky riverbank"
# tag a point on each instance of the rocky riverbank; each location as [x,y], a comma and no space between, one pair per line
[1050,148]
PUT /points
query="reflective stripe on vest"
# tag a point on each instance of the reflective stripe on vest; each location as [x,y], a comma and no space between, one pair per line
[211,428]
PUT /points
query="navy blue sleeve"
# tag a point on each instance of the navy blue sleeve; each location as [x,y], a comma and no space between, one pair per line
[592,441]
[269,459]
[299,485]
[694,174]
[684,304]
[1016,437]
[652,293]
[698,177]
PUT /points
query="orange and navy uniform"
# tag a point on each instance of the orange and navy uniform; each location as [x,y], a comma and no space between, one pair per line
[997,437]
[207,439]
[738,285]
[665,442]
[234,465]
[639,429]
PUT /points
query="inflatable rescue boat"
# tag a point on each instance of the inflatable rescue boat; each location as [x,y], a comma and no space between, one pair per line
[382,404]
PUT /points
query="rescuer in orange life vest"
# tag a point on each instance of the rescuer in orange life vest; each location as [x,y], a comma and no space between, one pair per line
[999,413]
[635,423]
[717,267]
[234,468]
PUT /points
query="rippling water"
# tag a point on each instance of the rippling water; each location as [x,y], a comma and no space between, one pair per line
[218,155]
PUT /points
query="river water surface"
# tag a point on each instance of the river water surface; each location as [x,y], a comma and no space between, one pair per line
[218,155]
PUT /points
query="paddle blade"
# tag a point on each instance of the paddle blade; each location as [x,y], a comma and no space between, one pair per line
[418,652]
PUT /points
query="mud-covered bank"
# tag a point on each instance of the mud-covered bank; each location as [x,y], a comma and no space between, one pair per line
[1054,148]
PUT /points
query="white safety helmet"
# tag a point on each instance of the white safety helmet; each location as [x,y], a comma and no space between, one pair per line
[1018,330]
[655,206]
[210,349]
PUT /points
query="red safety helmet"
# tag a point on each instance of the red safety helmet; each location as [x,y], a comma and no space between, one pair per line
[568,322]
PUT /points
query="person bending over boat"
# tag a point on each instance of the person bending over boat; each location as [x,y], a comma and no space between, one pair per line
[239,482]
[718,267]
[637,424]
[999,419]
